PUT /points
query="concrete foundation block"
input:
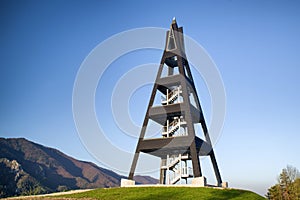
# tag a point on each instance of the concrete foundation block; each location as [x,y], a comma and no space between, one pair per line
[127,182]
[224,185]
[199,181]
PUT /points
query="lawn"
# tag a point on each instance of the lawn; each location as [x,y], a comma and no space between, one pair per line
[144,193]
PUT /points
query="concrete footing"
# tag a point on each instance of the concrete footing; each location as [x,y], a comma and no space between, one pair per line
[224,185]
[127,182]
[199,181]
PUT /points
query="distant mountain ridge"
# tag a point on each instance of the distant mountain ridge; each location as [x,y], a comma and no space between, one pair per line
[30,168]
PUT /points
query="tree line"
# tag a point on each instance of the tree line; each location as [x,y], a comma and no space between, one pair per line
[287,187]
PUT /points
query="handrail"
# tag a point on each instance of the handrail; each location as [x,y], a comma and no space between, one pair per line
[171,96]
[174,90]
[175,123]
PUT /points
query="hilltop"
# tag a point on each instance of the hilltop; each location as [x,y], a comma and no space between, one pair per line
[166,193]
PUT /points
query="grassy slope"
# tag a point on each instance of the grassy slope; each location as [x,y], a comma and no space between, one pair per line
[166,193]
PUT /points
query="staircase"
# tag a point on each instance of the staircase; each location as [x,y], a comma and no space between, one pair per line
[175,180]
[186,172]
[177,168]
[172,163]
[173,127]
[172,96]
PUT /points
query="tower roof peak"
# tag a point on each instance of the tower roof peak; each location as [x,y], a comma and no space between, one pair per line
[174,20]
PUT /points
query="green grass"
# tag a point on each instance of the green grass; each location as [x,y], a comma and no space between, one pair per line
[144,193]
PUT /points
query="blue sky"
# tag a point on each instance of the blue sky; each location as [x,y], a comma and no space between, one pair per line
[255,45]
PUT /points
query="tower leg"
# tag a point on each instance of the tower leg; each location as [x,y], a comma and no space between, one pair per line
[216,169]
[162,178]
[195,160]
[133,166]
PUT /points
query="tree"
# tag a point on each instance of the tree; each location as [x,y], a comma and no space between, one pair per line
[62,188]
[27,185]
[288,187]
[274,192]
[297,187]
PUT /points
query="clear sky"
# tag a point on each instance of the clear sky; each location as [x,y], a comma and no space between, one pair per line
[255,45]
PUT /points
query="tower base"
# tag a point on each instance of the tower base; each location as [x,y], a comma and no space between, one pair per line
[127,182]
[224,185]
[199,181]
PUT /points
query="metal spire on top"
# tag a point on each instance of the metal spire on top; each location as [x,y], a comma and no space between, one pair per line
[174,20]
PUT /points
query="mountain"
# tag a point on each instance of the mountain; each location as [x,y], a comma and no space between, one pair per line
[145,179]
[30,168]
